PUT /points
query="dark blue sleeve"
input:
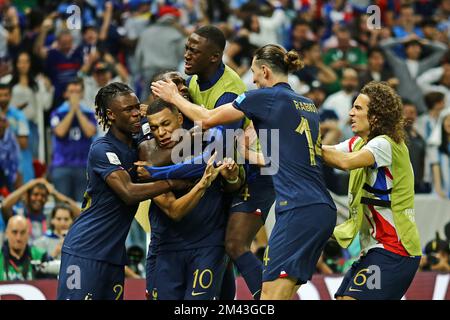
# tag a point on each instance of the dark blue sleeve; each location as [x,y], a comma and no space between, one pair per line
[225,98]
[104,160]
[255,104]
[145,133]
[188,169]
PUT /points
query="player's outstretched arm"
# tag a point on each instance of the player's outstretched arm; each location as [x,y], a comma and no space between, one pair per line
[133,193]
[175,208]
[347,161]
[168,91]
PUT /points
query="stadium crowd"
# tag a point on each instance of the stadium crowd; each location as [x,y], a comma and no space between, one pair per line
[51,71]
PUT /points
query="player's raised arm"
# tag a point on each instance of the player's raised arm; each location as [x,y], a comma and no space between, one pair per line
[167,90]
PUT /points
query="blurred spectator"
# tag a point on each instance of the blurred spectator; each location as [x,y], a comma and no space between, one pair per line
[32,93]
[416,146]
[9,36]
[34,195]
[314,72]
[300,33]
[439,159]
[435,102]
[152,59]
[238,53]
[20,261]
[436,258]
[377,69]
[408,70]
[406,23]
[341,102]
[264,30]
[102,73]
[9,154]
[344,54]
[215,11]
[73,125]
[61,219]
[62,62]
[136,258]
[437,79]
[19,126]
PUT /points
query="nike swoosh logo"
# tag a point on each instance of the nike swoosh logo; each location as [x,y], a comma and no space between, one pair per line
[197,293]
[351,289]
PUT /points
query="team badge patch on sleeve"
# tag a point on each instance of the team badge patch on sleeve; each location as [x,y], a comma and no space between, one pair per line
[240,98]
[145,129]
[113,158]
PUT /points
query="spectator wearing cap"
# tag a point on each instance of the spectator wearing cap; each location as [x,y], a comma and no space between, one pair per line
[73,129]
[152,59]
[408,70]
[103,72]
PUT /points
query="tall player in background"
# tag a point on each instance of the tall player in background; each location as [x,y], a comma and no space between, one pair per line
[381,197]
[188,230]
[94,248]
[305,212]
[211,85]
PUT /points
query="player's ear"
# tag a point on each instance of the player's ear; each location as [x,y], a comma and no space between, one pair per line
[266,71]
[180,119]
[216,56]
[110,115]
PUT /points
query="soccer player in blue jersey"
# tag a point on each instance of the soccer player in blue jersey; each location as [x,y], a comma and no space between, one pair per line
[93,253]
[212,83]
[305,212]
[188,233]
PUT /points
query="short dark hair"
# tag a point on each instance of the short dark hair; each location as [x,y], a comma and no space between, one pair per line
[432,98]
[213,35]
[408,102]
[77,82]
[104,97]
[373,50]
[4,86]
[37,186]
[159,105]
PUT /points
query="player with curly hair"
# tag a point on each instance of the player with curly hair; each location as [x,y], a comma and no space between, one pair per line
[381,198]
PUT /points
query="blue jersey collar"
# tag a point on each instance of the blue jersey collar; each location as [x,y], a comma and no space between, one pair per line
[211,81]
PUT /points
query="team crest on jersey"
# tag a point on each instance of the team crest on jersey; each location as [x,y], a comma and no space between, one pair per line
[113,158]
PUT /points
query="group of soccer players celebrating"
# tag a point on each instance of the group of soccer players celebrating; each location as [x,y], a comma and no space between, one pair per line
[205,215]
